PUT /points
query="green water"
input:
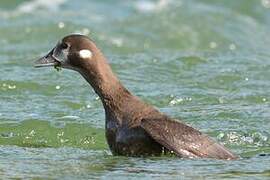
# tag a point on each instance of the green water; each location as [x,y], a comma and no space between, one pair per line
[206,62]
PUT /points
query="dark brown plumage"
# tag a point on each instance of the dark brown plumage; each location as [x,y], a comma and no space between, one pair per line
[133,128]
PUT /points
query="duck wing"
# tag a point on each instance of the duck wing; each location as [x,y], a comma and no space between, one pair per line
[184,140]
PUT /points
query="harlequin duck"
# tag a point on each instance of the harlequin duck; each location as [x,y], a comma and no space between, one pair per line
[133,128]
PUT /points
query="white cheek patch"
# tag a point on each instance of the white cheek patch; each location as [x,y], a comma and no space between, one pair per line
[85,53]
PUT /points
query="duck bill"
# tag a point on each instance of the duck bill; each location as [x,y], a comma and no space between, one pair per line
[47,60]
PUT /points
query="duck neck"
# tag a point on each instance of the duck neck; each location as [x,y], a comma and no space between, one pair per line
[107,86]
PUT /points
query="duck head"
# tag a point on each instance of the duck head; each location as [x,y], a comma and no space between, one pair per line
[79,53]
[74,52]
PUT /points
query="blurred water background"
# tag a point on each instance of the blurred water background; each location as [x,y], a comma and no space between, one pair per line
[206,62]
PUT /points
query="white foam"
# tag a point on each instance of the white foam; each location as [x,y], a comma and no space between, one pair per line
[68,117]
[266,3]
[146,6]
[30,6]
[84,31]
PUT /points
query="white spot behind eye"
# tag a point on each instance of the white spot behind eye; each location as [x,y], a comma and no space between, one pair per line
[85,53]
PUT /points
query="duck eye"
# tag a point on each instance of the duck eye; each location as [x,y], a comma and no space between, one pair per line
[64,45]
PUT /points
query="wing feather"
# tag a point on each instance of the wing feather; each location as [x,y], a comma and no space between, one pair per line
[184,140]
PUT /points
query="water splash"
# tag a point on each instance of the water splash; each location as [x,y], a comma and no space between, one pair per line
[6,86]
[242,138]
[178,100]
[33,133]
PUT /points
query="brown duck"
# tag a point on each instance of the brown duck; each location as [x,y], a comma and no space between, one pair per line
[133,128]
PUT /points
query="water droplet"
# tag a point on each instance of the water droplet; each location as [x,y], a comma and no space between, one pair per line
[57,87]
[88,106]
[221,135]
[246,79]
[88,140]
[61,25]
[233,137]
[11,86]
[60,134]
[176,101]
[232,47]
[64,140]
[221,100]
[32,133]
[213,45]
[85,31]
[264,138]
[264,99]
[117,41]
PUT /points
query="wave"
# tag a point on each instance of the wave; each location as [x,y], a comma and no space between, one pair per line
[32,6]
[146,6]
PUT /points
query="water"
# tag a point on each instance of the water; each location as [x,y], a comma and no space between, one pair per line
[205,62]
